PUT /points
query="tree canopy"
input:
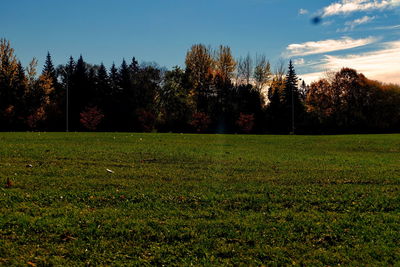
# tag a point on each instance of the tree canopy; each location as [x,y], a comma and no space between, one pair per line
[213,93]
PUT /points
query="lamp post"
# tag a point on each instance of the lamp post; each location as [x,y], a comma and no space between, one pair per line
[292,111]
[67,104]
[67,100]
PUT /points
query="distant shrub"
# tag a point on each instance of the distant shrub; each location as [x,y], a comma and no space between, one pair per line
[245,122]
[200,121]
[146,120]
[36,118]
[91,118]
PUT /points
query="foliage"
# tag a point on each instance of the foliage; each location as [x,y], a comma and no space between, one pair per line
[351,102]
[49,70]
[174,102]
[9,69]
[146,120]
[91,117]
[199,62]
[275,110]
[245,122]
[146,97]
[225,63]
[292,105]
[200,122]
[262,71]
[34,120]
[199,70]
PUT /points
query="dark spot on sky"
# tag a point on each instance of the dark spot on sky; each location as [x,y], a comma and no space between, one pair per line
[316,20]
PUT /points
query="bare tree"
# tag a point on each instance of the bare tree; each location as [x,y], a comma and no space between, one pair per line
[31,71]
[262,71]
[245,69]
[329,75]
[280,70]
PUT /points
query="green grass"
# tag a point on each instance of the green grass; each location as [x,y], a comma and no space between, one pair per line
[178,199]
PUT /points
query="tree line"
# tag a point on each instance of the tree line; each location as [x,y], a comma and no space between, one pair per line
[214,93]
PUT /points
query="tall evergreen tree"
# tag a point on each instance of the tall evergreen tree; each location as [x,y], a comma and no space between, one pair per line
[103,96]
[134,66]
[93,100]
[102,83]
[21,83]
[70,68]
[49,69]
[67,73]
[126,99]
[291,99]
[56,106]
[114,79]
[125,77]
[79,93]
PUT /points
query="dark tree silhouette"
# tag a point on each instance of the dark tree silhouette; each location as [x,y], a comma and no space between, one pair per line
[49,69]
[202,98]
[291,100]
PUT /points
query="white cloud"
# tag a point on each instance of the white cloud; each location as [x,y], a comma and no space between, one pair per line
[303,11]
[299,61]
[325,46]
[349,6]
[392,27]
[350,25]
[327,22]
[312,77]
[382,65]
[363,20]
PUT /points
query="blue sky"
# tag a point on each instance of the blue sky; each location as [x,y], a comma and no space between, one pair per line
[362,34]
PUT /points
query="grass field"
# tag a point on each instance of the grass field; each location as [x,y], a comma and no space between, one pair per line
[178,199]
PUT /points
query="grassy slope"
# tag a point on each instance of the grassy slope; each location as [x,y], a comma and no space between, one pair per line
[202,199]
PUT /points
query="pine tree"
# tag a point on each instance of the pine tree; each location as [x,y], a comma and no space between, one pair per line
[125,77]
[93,99]
[290,84]
[80,68]
[21,83]
[48,68]
[79,92]
[102,82]
[56,108]
[134,66]
[291,99]
[103,94]
[70,68]
[114,79]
